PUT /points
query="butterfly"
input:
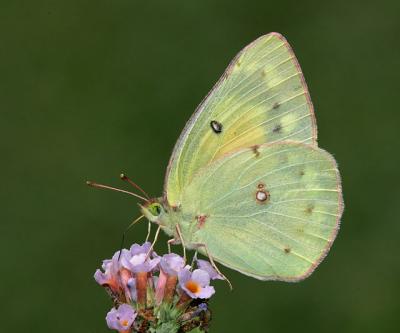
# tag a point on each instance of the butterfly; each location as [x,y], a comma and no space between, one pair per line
[247,184]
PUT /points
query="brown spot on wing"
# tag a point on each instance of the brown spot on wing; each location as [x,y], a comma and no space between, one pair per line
[277,128]
[255,150]
[201,220]
[309,209]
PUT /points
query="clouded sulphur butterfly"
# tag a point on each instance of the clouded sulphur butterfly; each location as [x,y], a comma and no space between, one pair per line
[246,183]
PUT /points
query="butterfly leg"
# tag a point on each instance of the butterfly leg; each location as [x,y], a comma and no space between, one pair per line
[213,263]
[154,241]
[178,231]
[148,231]
[169,242]
[194,259]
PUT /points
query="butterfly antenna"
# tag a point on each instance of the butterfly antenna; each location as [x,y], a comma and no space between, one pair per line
[127,179]
[93,184]
[124,233]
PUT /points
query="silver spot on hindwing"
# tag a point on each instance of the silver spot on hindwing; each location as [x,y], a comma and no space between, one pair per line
[262,195]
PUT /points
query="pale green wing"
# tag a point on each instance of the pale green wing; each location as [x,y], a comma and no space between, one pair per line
[261,98]
[283,237]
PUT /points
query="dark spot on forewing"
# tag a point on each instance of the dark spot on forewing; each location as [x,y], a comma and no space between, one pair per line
[287,250]
[277,128]
[276,105]
[216,126]
[263,73]
[255,150]
[309,209]
[302,173]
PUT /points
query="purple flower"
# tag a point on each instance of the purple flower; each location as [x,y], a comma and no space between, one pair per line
[206,266]
[122,318]
[139,249]
[137,259]
[172,264]
[196,284]
[111,275]
[110,268]
[140,263]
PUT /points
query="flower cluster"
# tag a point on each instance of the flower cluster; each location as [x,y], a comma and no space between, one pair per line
[154,293]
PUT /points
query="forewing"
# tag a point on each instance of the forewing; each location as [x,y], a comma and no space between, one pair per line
[261,98]
[283,237]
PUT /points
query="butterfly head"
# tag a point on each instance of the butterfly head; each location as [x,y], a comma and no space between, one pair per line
[153,211]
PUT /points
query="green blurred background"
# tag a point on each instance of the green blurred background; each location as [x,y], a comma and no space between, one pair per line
[92,88]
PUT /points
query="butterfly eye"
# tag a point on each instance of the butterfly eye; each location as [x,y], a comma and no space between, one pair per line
[155,209]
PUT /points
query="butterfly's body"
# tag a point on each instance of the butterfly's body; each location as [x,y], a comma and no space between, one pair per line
[246,180]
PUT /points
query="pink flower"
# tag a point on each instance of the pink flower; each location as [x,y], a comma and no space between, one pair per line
[121,319]
[196,284]
[137,259]
[172,264]
[114,276]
